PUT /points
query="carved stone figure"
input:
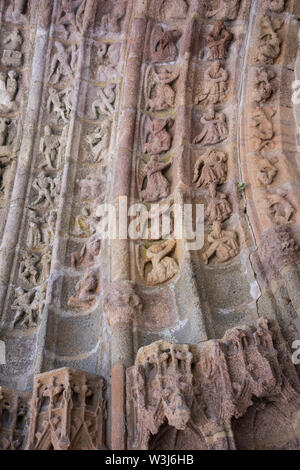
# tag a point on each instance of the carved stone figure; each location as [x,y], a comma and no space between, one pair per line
[280,210]
[274,5]
[173,9]
[111,21]
[28,306]
[121,303]
[157,185]
[12,55]
[90,187]
[266,171]
[86,291]
[164,267]
[218,208]
[46,265]
[46,187]
[84,223]
[60,103]
[72,12]
[17,8]
[263,86]
[214,127]
[8,90]
[223,9]
[67,411]
[5,171]
[98,141]
[210,168]
[269,44]
[215,84]
[51,146]
[104,104]
[263,131]
[158,139]
[163,44]
[28,270]
[63,62]
[223,244]
[218,41]
[109,56]
[159,93]
[86,256]
[48,226]
[34,236]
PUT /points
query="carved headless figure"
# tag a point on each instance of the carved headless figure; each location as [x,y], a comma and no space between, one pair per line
[218,41]
[85,292]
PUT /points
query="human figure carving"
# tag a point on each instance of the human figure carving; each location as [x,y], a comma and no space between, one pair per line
[263,86]
[210,168]
[279,208]
[28,306]
[34,237]
[50,148]
[218,41]
[215,84]
[105,101]
[218,208]
[85,292]
[4,124]
[111,21]
[90,187]
[46,189]
[159,92]
[84,223]
[269,44]
[214,127]
[60,102]
[109,56]
[274,5]
[46,265]
[225,9]
[164,267]
[8,90]
[222,243]
[63,62]
[12,56]
[72,12]
[163,44]
[157,185]
[158,139]
[28,271]
[98,141]
[262,126]
[86,256]
[266,171]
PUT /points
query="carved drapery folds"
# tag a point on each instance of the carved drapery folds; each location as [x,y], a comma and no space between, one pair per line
[200,389]
[68,411]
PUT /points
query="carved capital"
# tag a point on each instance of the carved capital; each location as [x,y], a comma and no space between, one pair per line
[121,303]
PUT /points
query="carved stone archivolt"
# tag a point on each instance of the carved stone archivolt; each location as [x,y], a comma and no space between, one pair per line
[68,411]
[198,390]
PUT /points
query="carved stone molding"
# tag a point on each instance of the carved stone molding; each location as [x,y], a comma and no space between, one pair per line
[14,418]
[201,389]
[68,411]
[121,303]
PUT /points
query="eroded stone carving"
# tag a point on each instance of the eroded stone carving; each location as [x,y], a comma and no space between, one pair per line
[164,267]
[17,9]
[218,41]
[269,44]
[163,44]
[8,90]
[63,62]
[218,208]
[263,85]
[52,147]
[12,55]
[47,187]
[111,21]
[280,210]
[68,411]
[90,187]
[223,244]
[266,171]
[223,9]
[104,104]
[109,56]
[215,127]
[14,418]
[98,141]
[28,305]
[46,264]
[210,168]
[173,9]
[262,125]
[121,303]
[88,253]
[155,184]
[215,84]
[60,102]
[28,270]
[159,93]
[274,5]
[41,228]
[84,223]
[86,291]
[158,139]
[74,13]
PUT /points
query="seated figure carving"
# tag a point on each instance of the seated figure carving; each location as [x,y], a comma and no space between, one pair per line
[218,208]
[163,44]
[158,139]
[159,93]
[215,127]
[222,244]
[218,41]
[86,291]
[215,84]
[210,168]
[86,256]
[157,185]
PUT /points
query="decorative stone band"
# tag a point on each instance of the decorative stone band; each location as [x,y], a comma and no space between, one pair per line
[121,303]
[67,411]
[14,418]
[201,389]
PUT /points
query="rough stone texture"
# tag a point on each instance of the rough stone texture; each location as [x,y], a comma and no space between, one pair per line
[159,101]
